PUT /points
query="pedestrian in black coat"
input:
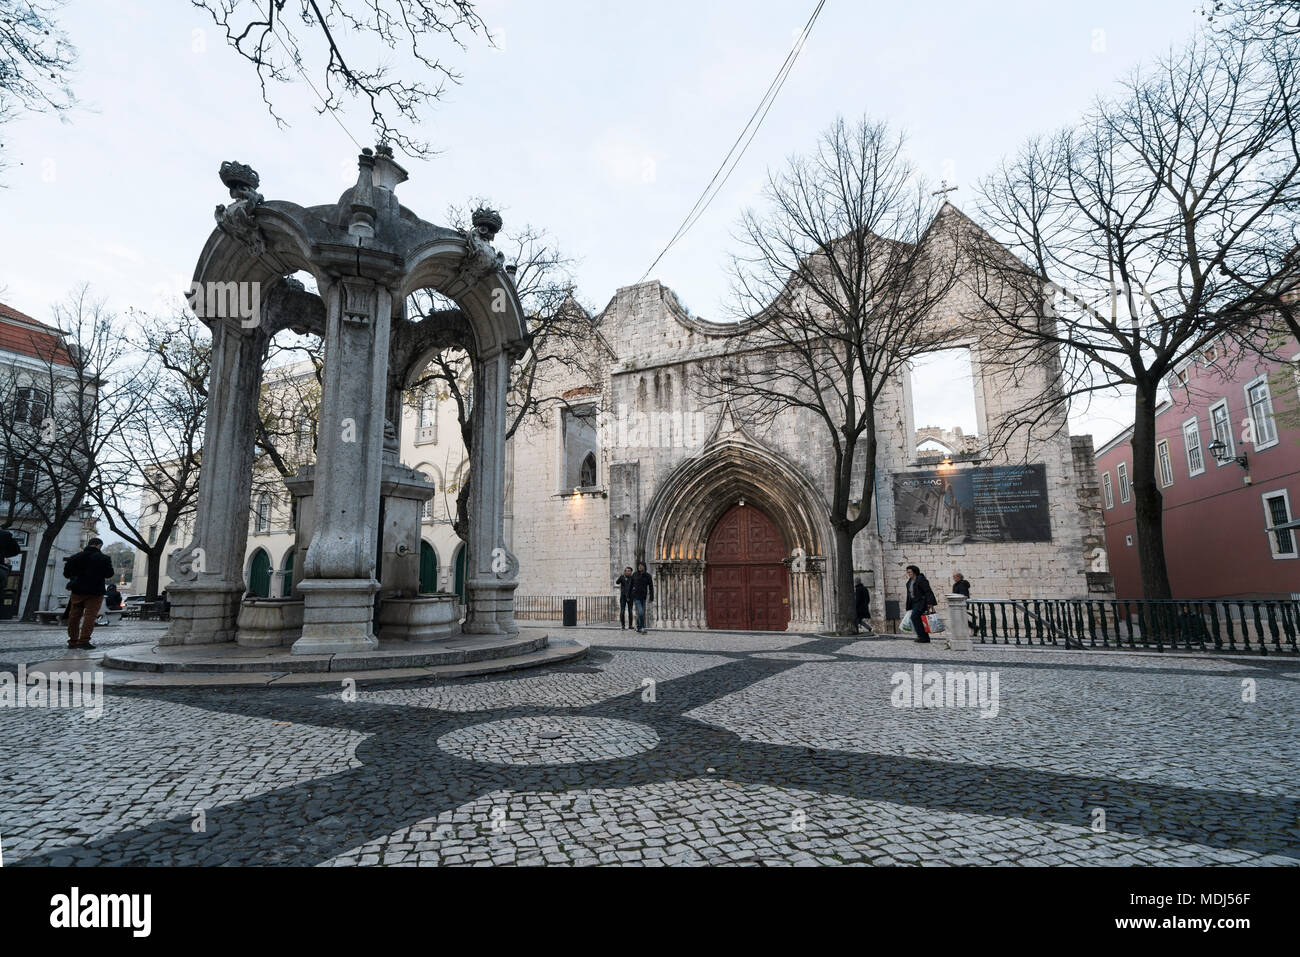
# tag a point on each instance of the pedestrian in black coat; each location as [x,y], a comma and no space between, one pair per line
[861,605]
[920,602]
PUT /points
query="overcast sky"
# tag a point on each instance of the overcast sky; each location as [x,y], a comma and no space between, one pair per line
[600,121]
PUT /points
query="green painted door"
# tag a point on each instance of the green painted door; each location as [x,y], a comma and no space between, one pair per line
[460,573]
[428,569]
[286,590]
[259,575]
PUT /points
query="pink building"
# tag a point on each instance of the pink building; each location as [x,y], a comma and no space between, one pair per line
[1228,466]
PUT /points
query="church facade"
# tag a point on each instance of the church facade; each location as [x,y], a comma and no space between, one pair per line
[733,521]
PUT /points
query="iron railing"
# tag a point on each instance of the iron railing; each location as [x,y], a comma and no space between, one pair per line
[1245,625]
[591,608]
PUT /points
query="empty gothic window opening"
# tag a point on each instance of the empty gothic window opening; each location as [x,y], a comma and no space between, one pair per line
[945,410]
[578,434]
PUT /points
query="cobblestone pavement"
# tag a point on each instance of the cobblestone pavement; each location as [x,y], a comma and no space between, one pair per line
[673,748]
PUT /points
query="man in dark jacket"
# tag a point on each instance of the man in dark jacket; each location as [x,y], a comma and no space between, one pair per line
[920,602]
[624,583]
[643,590]
[8,549]
[960,586]
[862,605]
[86,572]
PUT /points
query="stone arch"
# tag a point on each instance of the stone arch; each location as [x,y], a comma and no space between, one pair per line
[365,252]
[701,490]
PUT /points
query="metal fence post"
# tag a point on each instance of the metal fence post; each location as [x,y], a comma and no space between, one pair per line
[958,625]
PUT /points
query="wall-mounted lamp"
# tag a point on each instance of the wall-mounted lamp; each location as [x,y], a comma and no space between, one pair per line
[1219,450]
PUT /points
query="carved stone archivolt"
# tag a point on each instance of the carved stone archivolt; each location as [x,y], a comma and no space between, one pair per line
[731,468]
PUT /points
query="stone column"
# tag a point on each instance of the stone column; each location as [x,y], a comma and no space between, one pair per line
[492,570]
[208,573]
[958,623]
[339,583]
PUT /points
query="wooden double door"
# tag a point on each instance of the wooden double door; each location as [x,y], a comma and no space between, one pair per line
[746,581]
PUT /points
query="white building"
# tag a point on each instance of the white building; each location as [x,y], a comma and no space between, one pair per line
[31,357]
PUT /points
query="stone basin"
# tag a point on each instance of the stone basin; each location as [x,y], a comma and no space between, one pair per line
[421,619]
[269,622]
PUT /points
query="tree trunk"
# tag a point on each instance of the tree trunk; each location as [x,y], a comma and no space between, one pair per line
[845,600]
[33,603]
[153,572]
[1147,501]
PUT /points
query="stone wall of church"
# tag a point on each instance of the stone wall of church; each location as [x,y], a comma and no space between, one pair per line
[654,422]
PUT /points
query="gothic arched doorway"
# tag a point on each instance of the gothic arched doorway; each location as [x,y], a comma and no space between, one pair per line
[746,584]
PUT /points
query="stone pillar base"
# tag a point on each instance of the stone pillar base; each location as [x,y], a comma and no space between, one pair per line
[337,616]
[202,613]
[491,608]
[958,624]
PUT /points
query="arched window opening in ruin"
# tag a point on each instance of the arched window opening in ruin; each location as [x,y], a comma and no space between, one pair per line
[945,408]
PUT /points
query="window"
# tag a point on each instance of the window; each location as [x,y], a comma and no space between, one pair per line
[1107,490]
[1125,489]
[1192,441]
[30,406]
[578,430]
[171,538]
[426,432]
[1259,405]
[1221,429]
[303,435]
[1210,355]
[426,511]
[19,480]
[263,522]
[1164,464]
[153,534]
[1277,512]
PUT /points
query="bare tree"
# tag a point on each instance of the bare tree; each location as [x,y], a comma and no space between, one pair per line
[36,59]
[58,414]
[1161,222]
[148,478]
[285,39]
[1254,19]
[560,331]
[841,284]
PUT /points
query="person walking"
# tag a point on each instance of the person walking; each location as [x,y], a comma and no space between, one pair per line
[960,586]
[920,602]
[643,590]
[86,572]
[861,606]
[112,597]
[625,613]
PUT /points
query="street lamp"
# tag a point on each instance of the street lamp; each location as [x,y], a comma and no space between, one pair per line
[1219,450]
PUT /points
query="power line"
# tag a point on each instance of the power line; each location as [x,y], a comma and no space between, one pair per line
[332,111]
[751,127]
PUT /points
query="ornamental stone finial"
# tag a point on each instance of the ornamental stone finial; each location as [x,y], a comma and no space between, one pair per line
[487,223]
[241,180]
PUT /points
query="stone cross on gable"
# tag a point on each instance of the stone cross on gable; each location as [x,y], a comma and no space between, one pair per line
[944,189]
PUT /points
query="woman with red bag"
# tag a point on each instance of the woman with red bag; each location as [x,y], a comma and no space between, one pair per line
[920,602]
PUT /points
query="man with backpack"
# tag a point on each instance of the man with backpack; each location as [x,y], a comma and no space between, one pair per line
[86,572]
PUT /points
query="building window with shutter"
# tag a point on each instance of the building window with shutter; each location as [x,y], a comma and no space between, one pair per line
[1164,464]
[1277,513]
[1192,441]
[1107,489]
[1125,489]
